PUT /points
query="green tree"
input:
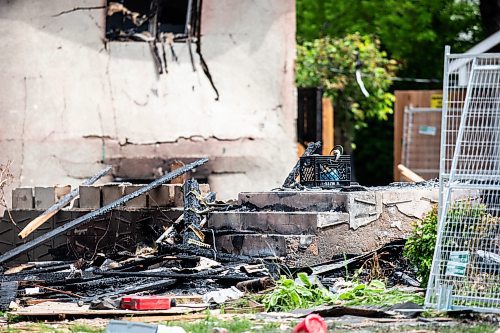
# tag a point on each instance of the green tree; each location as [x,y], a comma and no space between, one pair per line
[331,63]
[413,32]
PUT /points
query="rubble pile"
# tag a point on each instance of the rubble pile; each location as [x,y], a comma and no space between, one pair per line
[179,242]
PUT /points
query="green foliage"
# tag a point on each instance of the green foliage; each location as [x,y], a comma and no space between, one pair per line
[376,294]
[331,63]
[289,295]
[419,248]
[413,32]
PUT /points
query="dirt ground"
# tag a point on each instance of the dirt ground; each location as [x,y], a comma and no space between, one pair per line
[268,322]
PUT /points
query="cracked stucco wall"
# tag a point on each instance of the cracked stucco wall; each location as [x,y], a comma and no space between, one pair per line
[69,100]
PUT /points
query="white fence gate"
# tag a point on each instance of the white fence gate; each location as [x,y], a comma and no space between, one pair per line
[466,265]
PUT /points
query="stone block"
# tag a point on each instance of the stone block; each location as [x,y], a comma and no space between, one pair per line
[161,196]
[22,198]
[111,192]
[138,202]
[90,196]
[44,197]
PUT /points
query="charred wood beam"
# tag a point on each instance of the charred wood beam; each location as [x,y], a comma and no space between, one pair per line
[58,291]
[101,211]
[37,271]
[8,293]
[141,264]
[52,210]
[218,256]
[292,176]
[155,285]
[35,277]
[98,283]
[169,275]
[192,205]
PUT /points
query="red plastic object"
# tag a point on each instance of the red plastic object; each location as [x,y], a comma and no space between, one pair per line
[313,323]
[147,302]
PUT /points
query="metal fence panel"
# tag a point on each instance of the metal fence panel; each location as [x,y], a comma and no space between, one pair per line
[466,265]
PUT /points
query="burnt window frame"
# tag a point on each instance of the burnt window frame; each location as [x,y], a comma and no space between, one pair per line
[191,27]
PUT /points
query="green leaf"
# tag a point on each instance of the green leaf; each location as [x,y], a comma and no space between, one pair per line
[305,280]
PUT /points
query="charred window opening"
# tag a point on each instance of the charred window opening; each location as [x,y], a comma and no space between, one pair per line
[172,16]
[162,22]
[152,20]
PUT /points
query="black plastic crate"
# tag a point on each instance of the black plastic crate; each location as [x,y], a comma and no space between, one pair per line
[325,171]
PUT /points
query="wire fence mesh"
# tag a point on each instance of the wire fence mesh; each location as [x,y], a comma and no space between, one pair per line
[421,141]
[466,265]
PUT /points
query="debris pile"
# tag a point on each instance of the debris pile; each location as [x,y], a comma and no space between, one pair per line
[179,262]
[205,252]
[102,283]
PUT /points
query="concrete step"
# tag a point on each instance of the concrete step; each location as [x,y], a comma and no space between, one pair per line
[287,223]
[319,201]
[259,245]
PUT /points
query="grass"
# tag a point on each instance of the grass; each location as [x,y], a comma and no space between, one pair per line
[45,328]
[236,325]
[479,328]
[240,325]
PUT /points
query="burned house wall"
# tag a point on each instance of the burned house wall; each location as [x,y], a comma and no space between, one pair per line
[71,101]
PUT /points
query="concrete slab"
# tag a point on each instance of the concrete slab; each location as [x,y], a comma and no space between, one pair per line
[22,198]
[257,245]
[415,203]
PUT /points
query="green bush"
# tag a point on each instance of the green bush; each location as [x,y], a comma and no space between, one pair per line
[419,248]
